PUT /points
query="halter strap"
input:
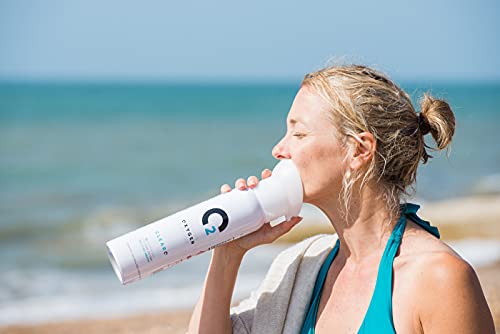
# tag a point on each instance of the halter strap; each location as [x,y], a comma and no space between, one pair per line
[380,309]
[410,211]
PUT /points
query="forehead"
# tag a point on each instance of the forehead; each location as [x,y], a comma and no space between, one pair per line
[310,109]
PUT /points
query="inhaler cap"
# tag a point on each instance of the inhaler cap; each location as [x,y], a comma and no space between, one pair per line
[282,193]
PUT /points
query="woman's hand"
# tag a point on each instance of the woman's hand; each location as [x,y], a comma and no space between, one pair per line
[264,235]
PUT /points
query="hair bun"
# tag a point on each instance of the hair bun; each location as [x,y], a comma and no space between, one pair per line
[423,124]
[437,118]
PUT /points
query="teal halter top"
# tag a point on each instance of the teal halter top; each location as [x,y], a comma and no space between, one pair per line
[378,318]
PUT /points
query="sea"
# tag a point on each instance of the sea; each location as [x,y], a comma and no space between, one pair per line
[82,163]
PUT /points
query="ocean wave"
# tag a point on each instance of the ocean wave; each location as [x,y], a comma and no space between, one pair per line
[478,252]
[487,185]
[53,244]
[40,294]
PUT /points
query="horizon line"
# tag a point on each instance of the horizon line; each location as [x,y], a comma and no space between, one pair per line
[222,80]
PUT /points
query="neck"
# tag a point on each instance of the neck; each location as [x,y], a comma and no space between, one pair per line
[366,229]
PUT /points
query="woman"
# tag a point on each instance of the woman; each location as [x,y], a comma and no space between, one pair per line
[357,140]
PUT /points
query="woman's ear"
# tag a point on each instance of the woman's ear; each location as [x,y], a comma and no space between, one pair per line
[364,150]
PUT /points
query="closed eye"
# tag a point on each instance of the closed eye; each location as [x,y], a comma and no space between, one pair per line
[298,134]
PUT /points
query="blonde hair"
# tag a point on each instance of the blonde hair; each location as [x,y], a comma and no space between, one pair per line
[362,99]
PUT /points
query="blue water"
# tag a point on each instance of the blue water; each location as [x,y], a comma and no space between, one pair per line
[83,163]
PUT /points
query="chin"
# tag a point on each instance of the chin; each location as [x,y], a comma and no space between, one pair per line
[319,195]
[309,198]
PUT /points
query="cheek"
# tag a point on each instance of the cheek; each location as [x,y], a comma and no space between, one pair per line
[321,170]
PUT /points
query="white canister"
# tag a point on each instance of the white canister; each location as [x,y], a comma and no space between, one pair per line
[206,225]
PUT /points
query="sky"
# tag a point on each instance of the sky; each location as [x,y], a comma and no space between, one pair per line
[246,40]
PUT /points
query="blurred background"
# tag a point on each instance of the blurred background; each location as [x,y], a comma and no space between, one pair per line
[115,114]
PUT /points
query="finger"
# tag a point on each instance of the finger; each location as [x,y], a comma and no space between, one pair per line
[252,181]
[240,184]
[225,188]
[266,173]
[293,221]
[282,228]
[290,223]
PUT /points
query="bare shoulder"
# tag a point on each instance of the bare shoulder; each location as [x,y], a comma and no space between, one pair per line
[432,263]
[447,292]
[419,241]
[444,271]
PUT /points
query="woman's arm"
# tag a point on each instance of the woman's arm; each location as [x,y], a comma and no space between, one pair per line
[452,300]
[211,314]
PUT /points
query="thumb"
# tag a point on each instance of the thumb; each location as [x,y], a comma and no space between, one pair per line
[285,226]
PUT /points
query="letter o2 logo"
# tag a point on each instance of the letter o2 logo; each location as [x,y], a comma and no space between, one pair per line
[220,212]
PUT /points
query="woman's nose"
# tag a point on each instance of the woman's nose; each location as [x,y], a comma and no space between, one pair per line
[279,152]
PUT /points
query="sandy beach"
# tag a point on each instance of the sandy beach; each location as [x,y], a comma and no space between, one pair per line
[474,217]
[457,218]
